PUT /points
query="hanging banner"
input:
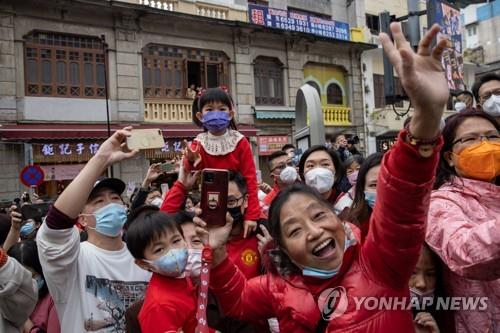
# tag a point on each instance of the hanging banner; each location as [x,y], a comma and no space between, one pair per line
[293,21]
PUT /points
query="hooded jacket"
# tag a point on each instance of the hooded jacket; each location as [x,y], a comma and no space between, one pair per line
[464,230]
[380,267]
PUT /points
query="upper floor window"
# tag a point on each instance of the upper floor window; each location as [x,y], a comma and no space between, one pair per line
[373,23]
[334,94]
[268,77]
[378,87]
[64,65]
[169,70]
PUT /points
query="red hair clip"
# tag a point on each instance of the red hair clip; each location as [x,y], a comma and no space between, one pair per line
[201,92]
[224,88]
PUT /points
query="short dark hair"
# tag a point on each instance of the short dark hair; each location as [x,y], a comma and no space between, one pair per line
[446,173]
[147,224]
[360,211]
[283,263]
[183,217]
[353,158]
[274,156]
[287,146]
[340,172]
[209,96]
[465,92]
[239,180]
[26,253]
[482,80]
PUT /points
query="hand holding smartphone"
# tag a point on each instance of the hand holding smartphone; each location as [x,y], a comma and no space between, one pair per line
[214,186]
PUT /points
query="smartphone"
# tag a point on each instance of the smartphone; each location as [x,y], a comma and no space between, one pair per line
[145,139]
[34,211]
[214,183]
[167,167]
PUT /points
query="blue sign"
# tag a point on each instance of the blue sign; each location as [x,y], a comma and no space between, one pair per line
[31,175]
[292,21]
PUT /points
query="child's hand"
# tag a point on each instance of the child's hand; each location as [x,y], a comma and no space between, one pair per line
[193,156]
[264,239]
[425,323]
[249,227]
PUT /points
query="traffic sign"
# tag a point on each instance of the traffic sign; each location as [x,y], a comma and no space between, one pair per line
[32,175]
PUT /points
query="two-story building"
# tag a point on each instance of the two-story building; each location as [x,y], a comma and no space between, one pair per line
[68,69]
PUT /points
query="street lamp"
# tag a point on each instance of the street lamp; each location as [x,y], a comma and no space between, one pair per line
[105,50]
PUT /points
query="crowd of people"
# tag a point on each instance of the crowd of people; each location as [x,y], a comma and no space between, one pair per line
[420,223]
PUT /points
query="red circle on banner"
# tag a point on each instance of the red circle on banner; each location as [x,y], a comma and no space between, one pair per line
[32,175]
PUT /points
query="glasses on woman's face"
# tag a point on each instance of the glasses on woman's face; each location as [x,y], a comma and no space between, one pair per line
[484,97]
[477,138]
[233,201]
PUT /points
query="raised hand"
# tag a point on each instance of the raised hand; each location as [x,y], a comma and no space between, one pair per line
[188,179]
[422,77]
[263,239]
[214,236]
[154,172]
[249,227]
[115,149]
[425,323]
[192,155]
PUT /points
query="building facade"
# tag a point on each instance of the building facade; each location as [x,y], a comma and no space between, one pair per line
[57,59]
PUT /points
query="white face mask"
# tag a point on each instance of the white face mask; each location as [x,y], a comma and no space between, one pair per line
[157,202]
[321,179]
[288,175]
[492,106]
[459,106]
[193,267]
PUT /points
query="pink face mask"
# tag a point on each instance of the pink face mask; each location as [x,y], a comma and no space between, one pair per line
[353,177]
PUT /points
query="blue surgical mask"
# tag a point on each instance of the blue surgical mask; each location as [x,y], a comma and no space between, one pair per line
[110,219]
[216,120]
[39,281]
[370,198]
[171,264]
[27,229]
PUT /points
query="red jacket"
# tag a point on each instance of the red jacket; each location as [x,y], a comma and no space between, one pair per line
[169,305]
[379,267]
[240,160]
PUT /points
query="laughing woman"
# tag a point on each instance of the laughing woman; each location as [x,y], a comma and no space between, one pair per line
[316,251]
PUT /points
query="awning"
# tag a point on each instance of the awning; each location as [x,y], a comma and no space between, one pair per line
[45,131]
[274,112]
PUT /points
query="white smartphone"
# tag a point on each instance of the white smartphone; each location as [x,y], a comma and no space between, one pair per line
[150,138]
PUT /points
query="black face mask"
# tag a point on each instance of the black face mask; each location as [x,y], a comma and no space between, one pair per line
[236,214]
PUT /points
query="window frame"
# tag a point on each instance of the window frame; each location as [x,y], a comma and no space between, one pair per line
[268,71]
[61,51]
[333,99]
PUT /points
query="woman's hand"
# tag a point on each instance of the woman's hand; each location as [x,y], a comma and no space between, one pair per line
[425,323]
[16,218]
[214,236]
[115,149]
[422,78]
[263,239]
[186,178]
[154,172]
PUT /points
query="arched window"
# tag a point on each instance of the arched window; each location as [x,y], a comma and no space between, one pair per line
[268,78]
[334,94]
[315,86]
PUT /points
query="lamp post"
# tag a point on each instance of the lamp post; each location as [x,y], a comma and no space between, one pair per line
[105,50]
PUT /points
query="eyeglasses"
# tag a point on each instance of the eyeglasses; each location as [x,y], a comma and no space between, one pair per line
[281,166]
[471,139]
[233,202]
[486,96]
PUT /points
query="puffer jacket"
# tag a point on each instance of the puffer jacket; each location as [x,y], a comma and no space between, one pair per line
[379,267]
[464,230]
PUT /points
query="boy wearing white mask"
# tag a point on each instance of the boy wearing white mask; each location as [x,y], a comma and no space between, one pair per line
[92,283]
[463,101]
[487,94]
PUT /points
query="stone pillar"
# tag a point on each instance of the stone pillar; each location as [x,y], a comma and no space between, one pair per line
[243,90]
[7,68]
[10,164]
[128,72]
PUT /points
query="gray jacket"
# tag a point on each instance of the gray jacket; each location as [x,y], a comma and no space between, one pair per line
[18,296]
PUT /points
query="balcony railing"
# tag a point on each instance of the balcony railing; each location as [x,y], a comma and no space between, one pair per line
[163,4]
[171,111]
[213,12]
[336,115]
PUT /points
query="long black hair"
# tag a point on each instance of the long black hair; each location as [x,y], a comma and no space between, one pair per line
[360,210]
[212,95]
[26,253]
[445,173]
[341,183]
[282,263]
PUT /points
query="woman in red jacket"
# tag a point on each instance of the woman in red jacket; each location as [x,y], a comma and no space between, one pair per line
[322,275]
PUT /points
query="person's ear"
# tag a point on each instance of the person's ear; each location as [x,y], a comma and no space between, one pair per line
[448,156]
[199,115]
[245,201]
[232,113]
[82,220]
[143,264]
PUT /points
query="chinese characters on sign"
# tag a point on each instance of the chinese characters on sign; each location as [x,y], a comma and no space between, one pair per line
[288,20]
[270,144]
[63,149]
[173,146]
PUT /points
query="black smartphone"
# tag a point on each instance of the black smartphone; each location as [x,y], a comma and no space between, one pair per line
[34,211]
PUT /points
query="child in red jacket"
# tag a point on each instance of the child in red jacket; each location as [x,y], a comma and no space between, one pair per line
[221,146]
[157,243]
